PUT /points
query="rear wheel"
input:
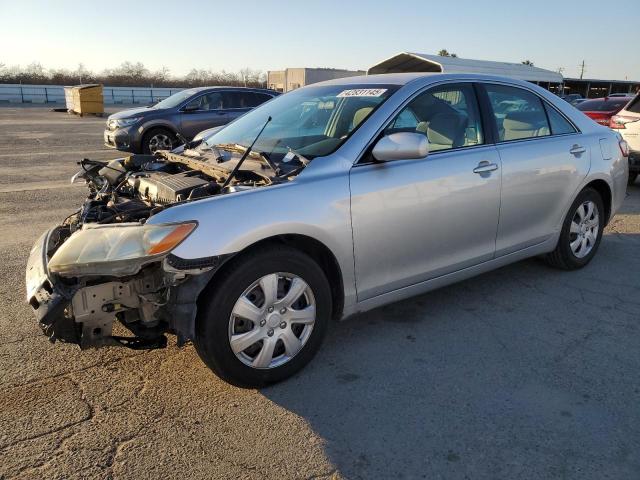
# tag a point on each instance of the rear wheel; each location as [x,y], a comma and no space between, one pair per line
[632,178]
[264,318]
[581,232]
[158,139]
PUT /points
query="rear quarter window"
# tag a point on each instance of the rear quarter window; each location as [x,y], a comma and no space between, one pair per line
[634,105]
[601,105]
[559,125]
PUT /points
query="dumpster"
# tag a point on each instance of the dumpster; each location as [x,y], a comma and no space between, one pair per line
[87,99]
[68,98]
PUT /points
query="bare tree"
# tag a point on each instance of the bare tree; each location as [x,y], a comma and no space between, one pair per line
[129,74]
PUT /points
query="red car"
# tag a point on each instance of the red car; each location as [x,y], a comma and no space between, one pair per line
[602,109]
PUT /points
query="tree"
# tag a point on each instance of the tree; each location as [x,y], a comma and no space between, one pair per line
[128,74]
[528,62]
[444,53]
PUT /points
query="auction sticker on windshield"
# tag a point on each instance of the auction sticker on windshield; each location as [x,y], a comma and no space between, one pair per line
[362,92]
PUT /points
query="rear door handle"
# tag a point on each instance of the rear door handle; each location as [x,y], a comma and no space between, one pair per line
[577,150]
[484,167]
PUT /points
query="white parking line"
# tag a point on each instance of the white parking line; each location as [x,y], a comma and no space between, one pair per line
[57,152]
[24,187]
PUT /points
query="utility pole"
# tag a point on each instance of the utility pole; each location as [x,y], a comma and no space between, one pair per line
[581,69]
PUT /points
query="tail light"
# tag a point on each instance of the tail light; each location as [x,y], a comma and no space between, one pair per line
[624,147]
[599,117]
[619,121]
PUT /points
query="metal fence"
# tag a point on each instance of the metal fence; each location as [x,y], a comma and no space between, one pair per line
[54,94]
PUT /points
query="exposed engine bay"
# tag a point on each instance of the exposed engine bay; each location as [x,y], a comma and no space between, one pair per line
[82,274]
[136,187]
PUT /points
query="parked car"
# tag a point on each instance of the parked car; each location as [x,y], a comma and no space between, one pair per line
[602,109]
[578,101]
[615,95]
[571,98]
[627,123]
[159,127]
[330,200]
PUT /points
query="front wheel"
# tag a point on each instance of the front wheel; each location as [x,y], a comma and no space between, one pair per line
[158,139]
[264,318]
[581,232]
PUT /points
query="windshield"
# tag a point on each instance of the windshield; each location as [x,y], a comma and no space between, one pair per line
[175,99]
[312,121]
[609,105]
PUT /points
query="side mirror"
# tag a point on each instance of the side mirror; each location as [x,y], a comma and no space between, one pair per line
[190,108]
[401,146]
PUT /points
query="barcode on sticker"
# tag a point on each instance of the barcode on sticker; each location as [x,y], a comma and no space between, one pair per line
[362,92]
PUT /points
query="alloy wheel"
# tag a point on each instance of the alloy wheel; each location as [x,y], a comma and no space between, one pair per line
[160,141]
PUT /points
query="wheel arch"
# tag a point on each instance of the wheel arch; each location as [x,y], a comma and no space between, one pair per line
[604,190]
[312,247]
[147,127]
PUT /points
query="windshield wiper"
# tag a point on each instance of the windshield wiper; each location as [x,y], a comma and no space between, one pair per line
[246,154]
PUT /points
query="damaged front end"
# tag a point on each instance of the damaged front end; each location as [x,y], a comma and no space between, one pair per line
[106,262]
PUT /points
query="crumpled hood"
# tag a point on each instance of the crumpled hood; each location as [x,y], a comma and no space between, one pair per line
[134,112]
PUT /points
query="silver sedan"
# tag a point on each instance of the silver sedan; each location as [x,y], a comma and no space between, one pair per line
[330,200]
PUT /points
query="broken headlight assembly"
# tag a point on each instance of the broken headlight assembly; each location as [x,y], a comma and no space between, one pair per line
[116,250]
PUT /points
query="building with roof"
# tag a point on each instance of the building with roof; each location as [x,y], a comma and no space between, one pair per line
[422,62]
[553,81]
[292,78]
[596,88]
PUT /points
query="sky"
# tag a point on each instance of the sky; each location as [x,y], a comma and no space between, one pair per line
[272,35]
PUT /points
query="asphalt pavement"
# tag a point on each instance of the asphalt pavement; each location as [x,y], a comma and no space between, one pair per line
[526,372]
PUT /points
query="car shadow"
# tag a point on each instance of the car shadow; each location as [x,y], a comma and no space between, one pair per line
[524,372]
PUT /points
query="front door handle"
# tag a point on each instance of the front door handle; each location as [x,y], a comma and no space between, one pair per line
[484,167]
[577,150]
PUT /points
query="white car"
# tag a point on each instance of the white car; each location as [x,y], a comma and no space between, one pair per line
[627,123]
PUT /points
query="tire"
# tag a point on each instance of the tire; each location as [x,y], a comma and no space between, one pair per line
[216,322]
[564,257]
[152,137]
[632,178]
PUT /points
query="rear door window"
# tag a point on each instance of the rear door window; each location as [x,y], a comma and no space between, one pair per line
[518,114]
[209,101]
[244,99]
[259,98]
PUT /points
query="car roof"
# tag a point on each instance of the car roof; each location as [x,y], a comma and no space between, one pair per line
[607,99]
[220,87]
[405,78]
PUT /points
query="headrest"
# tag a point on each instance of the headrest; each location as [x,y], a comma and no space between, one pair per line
[446,128]
[360,115]
[522,121]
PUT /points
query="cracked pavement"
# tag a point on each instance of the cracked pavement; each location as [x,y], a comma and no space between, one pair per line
[525,372]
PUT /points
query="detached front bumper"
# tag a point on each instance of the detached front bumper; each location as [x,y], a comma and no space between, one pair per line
[161,298]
